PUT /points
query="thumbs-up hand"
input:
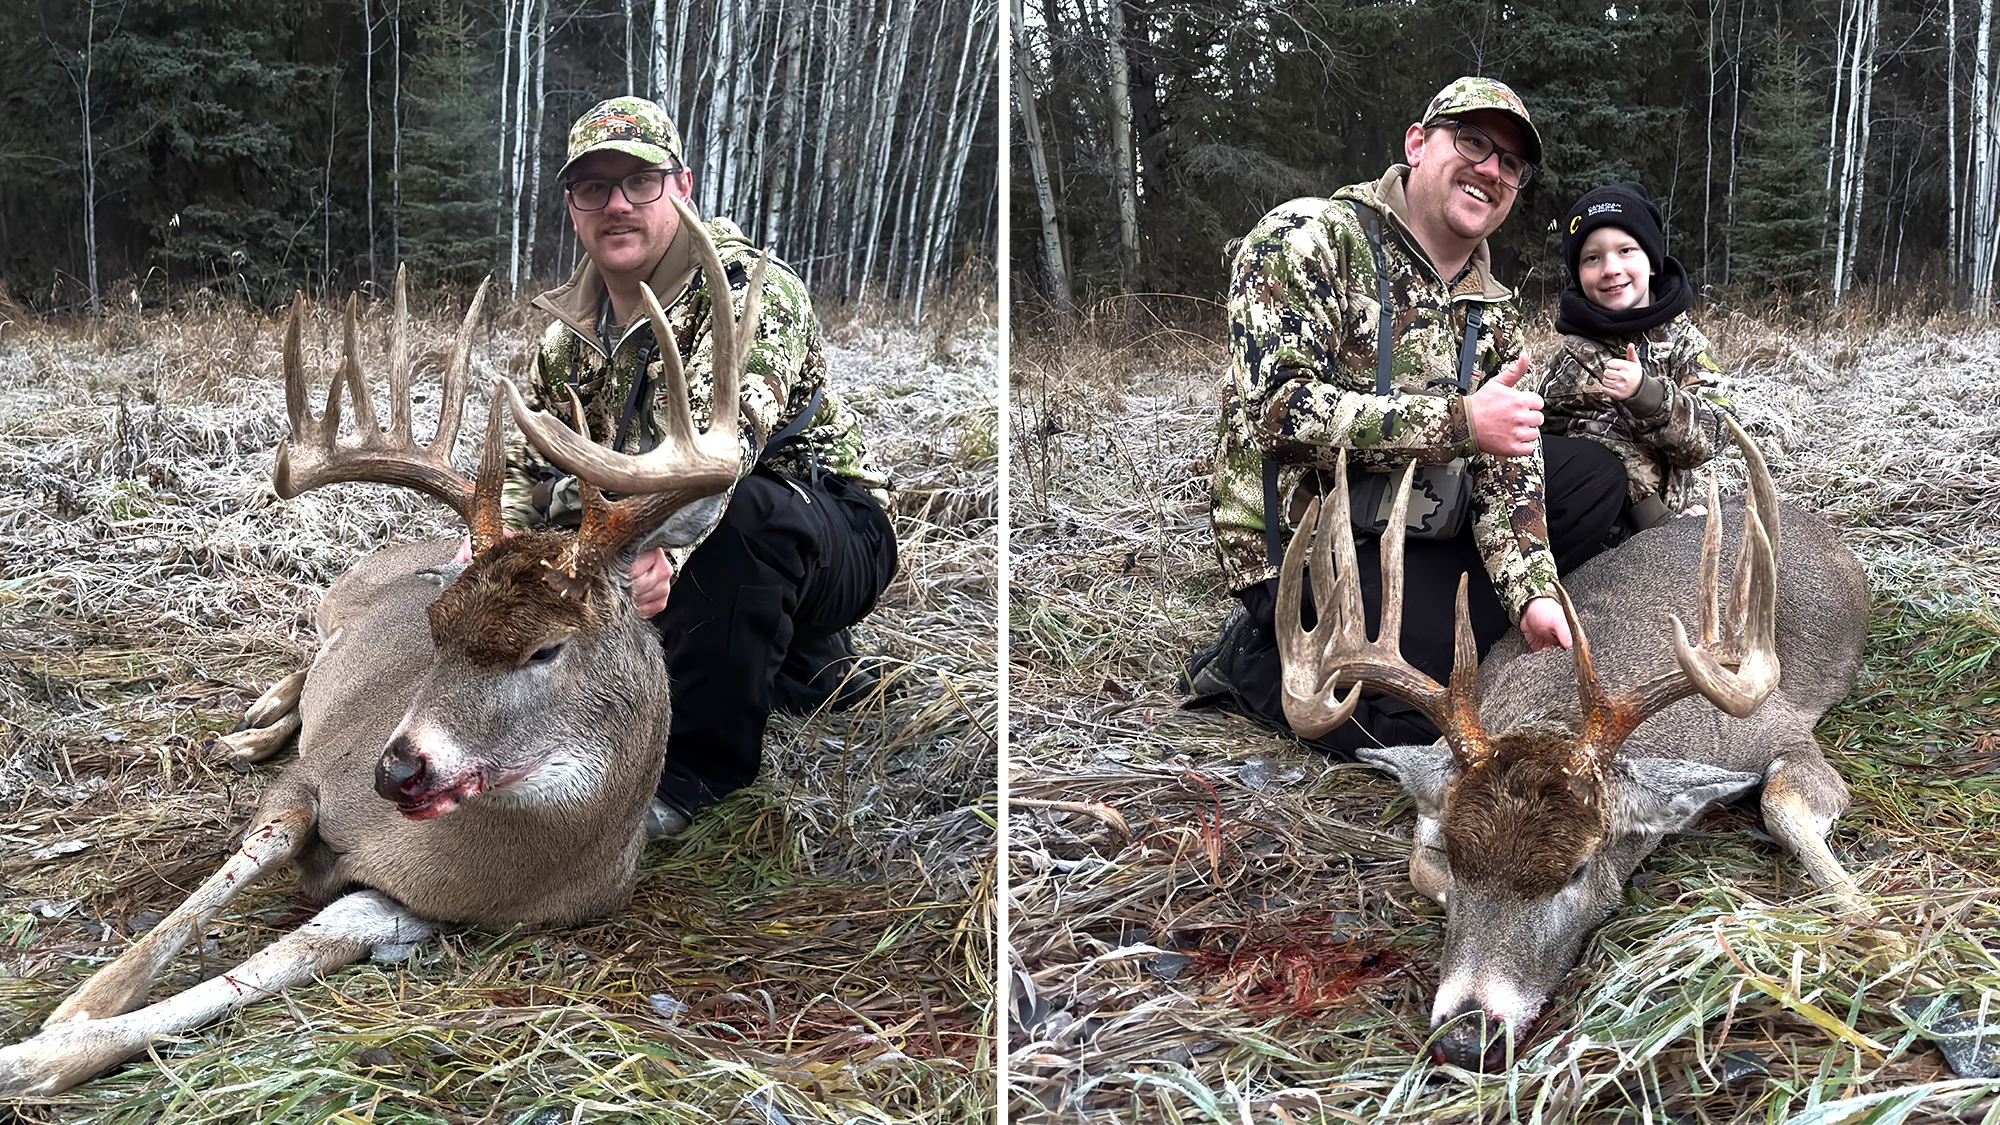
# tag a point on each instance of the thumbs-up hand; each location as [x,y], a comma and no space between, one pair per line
[1621,376]
[1505,422]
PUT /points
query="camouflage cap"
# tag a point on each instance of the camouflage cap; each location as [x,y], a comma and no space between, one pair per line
[634,126]
[1466,94]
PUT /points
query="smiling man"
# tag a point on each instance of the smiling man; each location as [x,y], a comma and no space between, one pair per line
[767,579]
[1371,323]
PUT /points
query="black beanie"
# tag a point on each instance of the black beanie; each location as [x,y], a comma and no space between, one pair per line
[1624,206]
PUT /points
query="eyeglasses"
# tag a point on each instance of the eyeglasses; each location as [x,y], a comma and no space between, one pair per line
[1472,143]
[639,188]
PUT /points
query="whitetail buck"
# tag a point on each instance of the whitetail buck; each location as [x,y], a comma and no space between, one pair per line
[477,743]
[1550,792]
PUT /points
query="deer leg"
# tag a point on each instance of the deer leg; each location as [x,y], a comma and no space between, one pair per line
[1802,796]
[269,724]
[122,985]
[64,1055]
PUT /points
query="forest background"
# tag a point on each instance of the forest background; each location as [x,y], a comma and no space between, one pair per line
[1807,152]
[252,147]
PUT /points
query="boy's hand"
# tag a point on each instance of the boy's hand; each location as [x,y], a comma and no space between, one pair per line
[1621,376]
[652,576]
[1505,422]
[1543,625]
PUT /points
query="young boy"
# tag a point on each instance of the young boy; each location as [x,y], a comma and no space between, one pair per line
[1632,372]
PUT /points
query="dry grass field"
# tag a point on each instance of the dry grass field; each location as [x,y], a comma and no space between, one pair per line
[818,949]
[1211,924]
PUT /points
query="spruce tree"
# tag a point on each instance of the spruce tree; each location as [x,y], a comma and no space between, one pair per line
[448,137]
[1776,240]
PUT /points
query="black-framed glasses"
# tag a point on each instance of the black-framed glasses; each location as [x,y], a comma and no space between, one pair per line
[1472,143]
[639,189]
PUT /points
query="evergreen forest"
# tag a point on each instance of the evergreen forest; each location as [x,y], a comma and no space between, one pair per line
[254,147]
[1812,154]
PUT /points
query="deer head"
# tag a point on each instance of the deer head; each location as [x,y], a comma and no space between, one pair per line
[540,654]
[1526,837]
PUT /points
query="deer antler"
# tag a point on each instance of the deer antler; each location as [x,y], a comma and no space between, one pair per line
[1736,664]
[1316,662]
[314,455]
[688,464]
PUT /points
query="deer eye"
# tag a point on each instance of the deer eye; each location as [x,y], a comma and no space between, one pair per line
[1576,876]
[546,653]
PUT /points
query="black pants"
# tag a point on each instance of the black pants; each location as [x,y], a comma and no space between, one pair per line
[756,621]
[1585,490]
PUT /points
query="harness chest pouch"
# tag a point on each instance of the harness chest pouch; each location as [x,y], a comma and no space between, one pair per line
[1440,499]
[1440,495]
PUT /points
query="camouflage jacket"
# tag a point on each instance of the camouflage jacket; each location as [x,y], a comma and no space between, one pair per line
[1303,337]
[785,367]
[1670,426]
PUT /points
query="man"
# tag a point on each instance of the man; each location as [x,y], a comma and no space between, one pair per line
[1305,384]
[801,546]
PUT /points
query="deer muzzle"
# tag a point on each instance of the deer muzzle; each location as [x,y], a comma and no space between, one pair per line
[403,774]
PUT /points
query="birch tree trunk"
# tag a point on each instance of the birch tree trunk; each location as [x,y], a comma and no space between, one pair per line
[1951,147]
[537,127]
[631,88]
[676,99]
[89,157]
[1038,160]
[714,172]
[396,136]
[1126,174]
[1708,135]
[1980,232]
[662,93]
[506,104]
[790,101]
[520,150]
[368,104]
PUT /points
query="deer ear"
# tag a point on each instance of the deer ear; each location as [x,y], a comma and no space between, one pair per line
[1424,770]
[1658,796]
[686,525]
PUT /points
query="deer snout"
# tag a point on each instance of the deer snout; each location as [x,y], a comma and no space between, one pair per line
[403,773]
[1471,1039]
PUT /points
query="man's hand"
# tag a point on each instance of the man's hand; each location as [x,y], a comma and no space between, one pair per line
[1621,376]
[652,575]
[1543,624]
[465,546]
[1505,422]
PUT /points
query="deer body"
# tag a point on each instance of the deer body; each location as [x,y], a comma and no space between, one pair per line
[1560,771]
[559,846]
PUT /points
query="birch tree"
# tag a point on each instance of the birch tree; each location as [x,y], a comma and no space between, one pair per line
[1125,172]
[1038,161]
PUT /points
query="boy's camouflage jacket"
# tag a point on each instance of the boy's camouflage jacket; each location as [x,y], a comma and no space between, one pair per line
[785,366]
[1301,387]
[1670,426]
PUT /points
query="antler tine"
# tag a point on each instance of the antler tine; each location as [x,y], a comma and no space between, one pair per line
[1313,668]
[1736,664]
[1311,700]
[451,405]
[728,342]
[296,409]
[680,413]
[485,521]
[1467,736]
[357,379]
[314,455]
[399,363]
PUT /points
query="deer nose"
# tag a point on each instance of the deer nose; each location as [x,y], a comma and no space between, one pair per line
[403,773]
[1472,1040]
